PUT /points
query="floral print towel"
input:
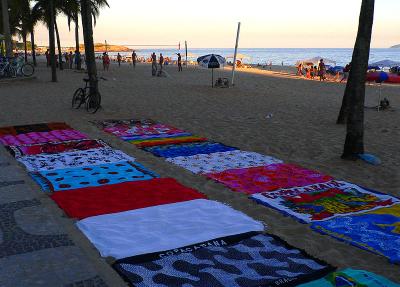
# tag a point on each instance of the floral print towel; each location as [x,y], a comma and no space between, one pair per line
[42,137]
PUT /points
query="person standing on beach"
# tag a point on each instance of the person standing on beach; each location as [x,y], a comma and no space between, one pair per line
[47,54]
[321,70]
[77,58]
[179,62]
[161,61]
[134,56]
[119,58]
[71,60]
[153,64]
[346,72]
[106,61]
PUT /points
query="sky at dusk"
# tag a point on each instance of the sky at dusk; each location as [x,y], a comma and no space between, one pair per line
[212,23]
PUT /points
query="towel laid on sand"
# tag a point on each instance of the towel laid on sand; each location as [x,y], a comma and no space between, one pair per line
[322,201]
[377,231]
[142,130]
[351,278]
[268,178]
[154,137]
[188,149]
[42,137]
[125,123]
[220,161]
[57,147]
[96,175]
[91,201]
[164,227]
[167,141]
[261,260]
[47,162]
[23,129]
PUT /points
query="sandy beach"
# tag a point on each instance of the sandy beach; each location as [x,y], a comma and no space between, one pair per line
[266,112]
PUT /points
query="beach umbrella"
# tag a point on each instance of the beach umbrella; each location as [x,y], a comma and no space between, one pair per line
[212,62]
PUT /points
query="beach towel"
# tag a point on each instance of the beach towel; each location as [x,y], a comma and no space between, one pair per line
[188,149]
[57,147]
[47,162]
[92,201]
[377,231]
[322,201]
[124,123]
[154,137]
[220,161]
[167,141]
[97,175]
[42,137]
[268,178]
[261,260]
[145,129]
[164,227]
[45,127]
[351,277]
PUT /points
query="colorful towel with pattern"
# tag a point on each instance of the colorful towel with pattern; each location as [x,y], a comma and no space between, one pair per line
[23,129]
[142,130]
[164,227]
[377,231]
[48,162]
[220,161]
[98,175]
[42,137]
[167,141]
[351,278]
[188,149]
[155,137]
[92,201]
[268,178]
[322,201]
[261,260]
[57,147]
[124,123]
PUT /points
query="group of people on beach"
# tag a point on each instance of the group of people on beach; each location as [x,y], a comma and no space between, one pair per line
[321,71]
[161,63]
[69,58]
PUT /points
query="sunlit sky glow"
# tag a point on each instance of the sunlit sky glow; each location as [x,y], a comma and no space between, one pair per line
[212,23]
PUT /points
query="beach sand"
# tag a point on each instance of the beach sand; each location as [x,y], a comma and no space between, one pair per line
[266,112]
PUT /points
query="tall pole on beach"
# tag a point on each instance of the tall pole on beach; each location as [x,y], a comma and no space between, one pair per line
[6,28]
[186,54]
[234,57]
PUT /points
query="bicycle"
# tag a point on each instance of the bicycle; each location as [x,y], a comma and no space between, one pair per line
[11,68]
[7,70]
[23,69]
[85,96]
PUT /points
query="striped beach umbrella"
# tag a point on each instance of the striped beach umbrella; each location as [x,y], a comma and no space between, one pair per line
[212,62]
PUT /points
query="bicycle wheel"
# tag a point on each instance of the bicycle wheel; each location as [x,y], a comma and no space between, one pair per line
[11,72]
[93,103]
[27,70]
[78,99]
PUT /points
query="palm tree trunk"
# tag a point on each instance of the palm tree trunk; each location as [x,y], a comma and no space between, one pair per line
[355,89]
[25,47]
[87,26]
[52,43]
[344,109]
[33,47]
[58,45]
[6,28]
[77,39]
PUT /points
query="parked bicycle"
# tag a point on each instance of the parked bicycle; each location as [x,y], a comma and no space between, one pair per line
[84,95]
[13,67]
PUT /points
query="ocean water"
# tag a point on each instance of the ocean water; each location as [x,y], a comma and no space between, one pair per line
[287,56]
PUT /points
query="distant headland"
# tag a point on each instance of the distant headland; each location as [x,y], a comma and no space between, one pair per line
[101,47]
[395,47]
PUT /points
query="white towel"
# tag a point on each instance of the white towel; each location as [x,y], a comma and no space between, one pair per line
[164,227]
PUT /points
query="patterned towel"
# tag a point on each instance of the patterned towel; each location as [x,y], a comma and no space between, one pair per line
[57,147]
[142,129]
[125,123]
[268,178]
[97,175]
[350,277]
[167,141]
[92,201]
[323,201]
[15,130]
[42,137]
[220,161]
[154,137]
[377,231]
[261,260]
[48,162]
[188,149]
[164,227]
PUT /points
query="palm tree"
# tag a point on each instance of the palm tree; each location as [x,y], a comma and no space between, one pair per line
[354,96]
[6,27]
[87,25]
[71,9]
